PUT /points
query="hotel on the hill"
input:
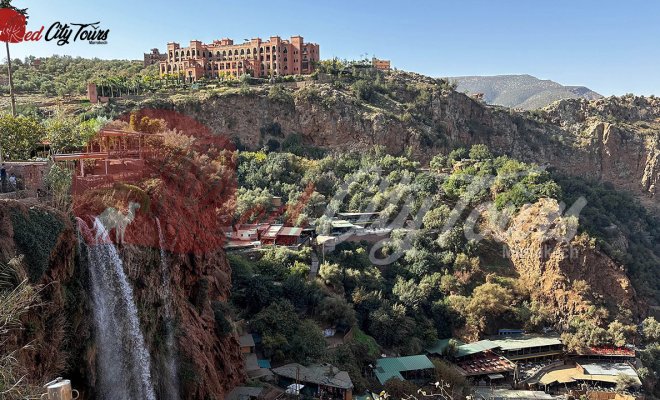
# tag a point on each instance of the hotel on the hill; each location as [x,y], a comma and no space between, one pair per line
[255,57]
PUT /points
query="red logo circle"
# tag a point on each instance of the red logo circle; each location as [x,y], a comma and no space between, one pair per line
[12,25]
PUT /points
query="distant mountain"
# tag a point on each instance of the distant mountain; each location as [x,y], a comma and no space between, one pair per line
[521,91]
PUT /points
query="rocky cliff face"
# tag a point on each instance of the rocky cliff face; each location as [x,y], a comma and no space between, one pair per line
[566,275]
[615,140]
[61,330]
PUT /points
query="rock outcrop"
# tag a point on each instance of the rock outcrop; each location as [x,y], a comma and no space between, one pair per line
[564,273]
[615,140]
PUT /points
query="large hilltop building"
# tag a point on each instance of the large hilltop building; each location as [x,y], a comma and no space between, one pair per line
[258,58]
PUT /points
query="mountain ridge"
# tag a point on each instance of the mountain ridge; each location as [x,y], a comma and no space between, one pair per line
[521,91]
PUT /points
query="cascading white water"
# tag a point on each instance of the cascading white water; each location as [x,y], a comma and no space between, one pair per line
[123,361]
[171,381]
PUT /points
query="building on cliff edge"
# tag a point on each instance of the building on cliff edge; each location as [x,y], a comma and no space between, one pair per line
[224,58]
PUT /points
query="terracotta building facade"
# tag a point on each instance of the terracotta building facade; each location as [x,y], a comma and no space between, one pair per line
[261,59]
[154,57]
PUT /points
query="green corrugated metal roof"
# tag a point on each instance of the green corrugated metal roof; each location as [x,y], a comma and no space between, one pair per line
[340,223]
[476,347]
[387,368]
[440,346]
[525,341]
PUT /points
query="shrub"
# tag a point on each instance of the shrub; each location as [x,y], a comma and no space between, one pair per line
[36,233]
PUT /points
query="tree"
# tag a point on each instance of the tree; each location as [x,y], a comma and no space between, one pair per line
[651,330]
[397,389]
[58,181]
[334,310]
[480,152]
[436,217]
[20,136]
[438,162]
[624,382]
[446,373]
[410,293]
[66,133]
[621,334]
[332,275]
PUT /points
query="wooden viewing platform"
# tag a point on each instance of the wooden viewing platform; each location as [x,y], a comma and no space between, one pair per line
[109,144]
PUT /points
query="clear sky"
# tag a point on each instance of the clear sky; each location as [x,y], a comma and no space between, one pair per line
[610,46]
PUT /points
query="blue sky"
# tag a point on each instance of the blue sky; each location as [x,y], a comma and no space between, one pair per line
[613,47]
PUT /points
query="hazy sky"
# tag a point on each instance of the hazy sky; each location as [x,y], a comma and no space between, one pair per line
[613,47]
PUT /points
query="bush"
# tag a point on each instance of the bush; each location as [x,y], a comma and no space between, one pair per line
[363,90]
[36,233]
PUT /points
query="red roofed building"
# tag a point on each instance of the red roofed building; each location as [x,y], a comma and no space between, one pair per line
[288,236]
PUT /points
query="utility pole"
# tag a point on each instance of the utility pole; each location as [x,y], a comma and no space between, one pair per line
[11,82]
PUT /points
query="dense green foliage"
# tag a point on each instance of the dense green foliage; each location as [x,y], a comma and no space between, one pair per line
[19,136]
[60,75]
[442,283]
[36,232]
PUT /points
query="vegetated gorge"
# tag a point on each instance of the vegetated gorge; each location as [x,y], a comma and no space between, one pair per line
[161,309]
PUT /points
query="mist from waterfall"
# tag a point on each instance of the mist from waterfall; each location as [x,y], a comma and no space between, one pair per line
[171,380]
[123,362]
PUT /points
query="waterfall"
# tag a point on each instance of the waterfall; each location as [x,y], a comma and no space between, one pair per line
[171,380]
[123,363]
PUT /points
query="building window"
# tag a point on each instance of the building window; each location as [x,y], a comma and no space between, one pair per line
[188,53]
[242,52]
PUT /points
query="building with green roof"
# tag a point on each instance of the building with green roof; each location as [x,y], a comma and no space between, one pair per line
[525,347]
[439,348]
[404,368]
[474,348]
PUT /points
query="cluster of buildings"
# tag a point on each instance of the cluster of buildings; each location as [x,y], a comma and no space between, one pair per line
[256,57]
[320,380]
[509,366]
[521,363]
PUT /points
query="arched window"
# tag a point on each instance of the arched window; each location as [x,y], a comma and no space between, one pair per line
[217,53]
[254,50]
[224,52]
[242,52]
[188,53]
[285,51]
[193,53]
[274,49]
[261,49]
[248,51]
